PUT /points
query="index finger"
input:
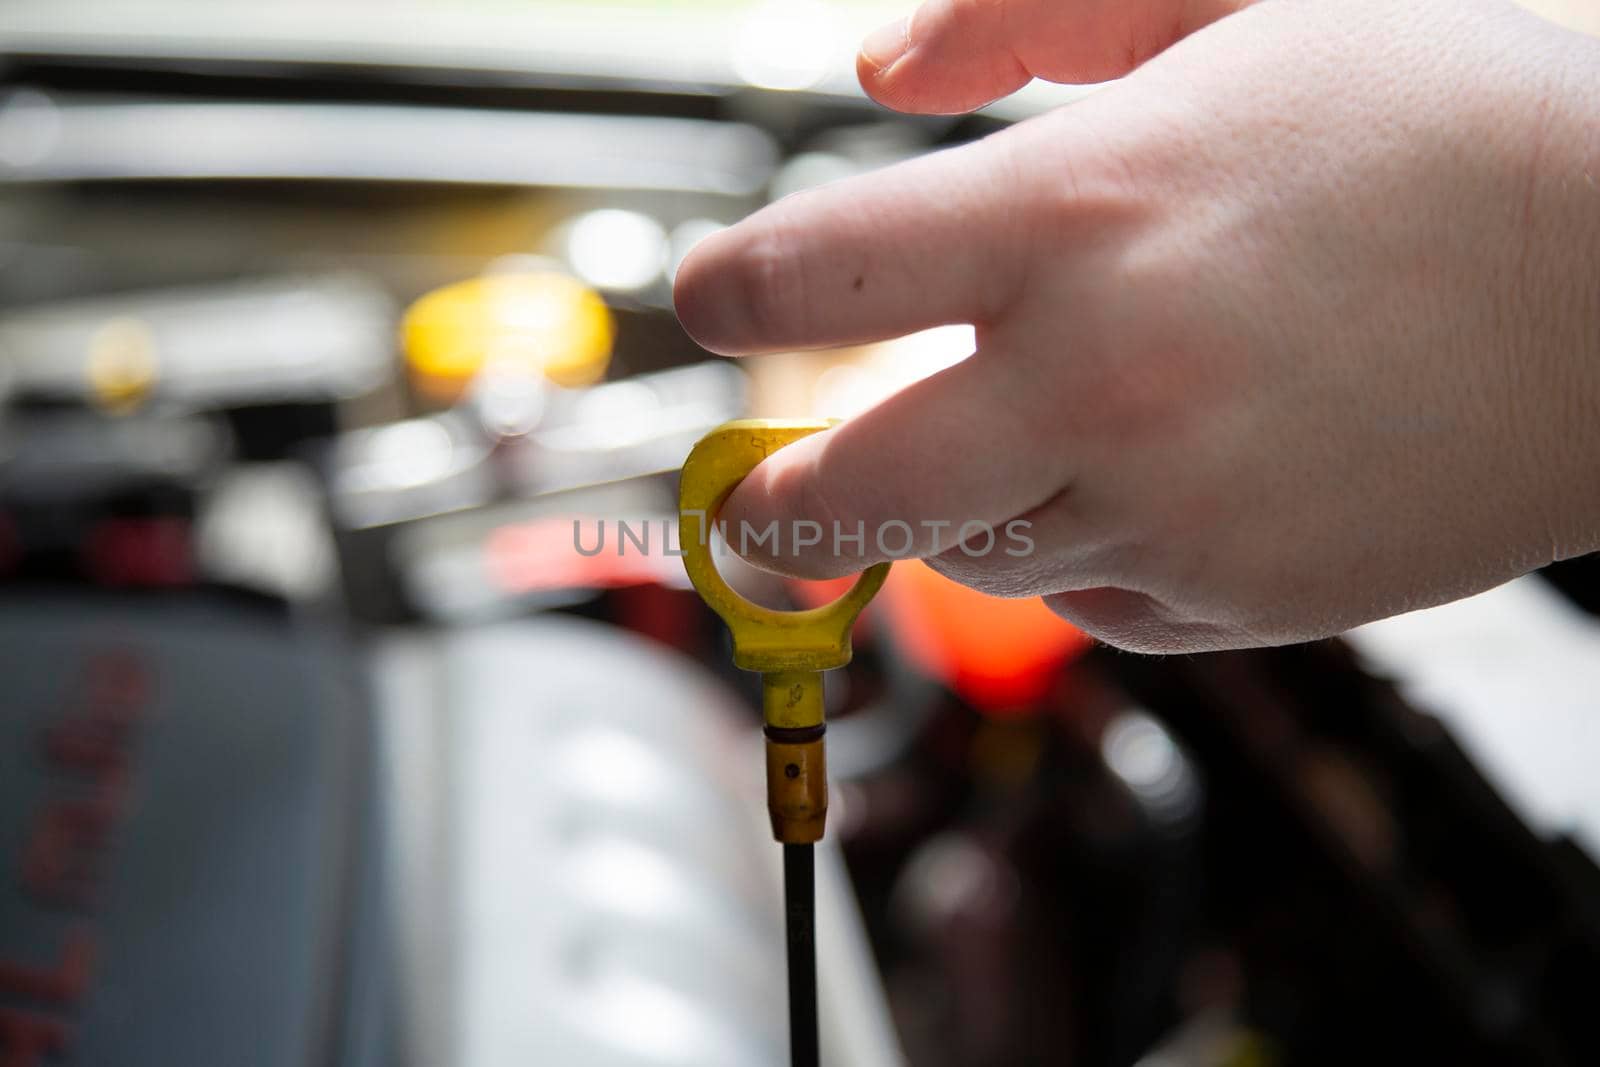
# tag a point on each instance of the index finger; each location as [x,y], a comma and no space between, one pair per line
[928,242]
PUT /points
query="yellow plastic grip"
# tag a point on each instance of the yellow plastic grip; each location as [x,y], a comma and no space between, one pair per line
[764,640]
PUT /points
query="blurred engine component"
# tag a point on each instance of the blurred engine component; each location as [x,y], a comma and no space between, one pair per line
[75,139]
[276,355]
[430,481]
[217,346]
[584,875]
[263,527]
[109,500]
[188,870]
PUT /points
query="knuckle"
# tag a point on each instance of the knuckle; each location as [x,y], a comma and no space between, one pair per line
[1087,185]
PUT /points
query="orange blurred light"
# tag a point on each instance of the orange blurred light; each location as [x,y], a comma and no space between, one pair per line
[999,655]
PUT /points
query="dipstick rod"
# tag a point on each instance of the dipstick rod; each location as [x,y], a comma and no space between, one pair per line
[800,920]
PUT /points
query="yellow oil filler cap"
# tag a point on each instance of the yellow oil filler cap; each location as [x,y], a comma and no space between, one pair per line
[545,321]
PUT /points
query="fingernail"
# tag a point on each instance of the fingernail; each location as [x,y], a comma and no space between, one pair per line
[886,44]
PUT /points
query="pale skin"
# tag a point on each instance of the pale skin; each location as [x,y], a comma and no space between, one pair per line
[1295,327]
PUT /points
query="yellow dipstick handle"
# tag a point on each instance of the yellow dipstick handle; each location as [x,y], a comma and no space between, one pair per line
[791,649]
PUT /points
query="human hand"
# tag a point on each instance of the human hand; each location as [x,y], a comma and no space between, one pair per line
[1295,327]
